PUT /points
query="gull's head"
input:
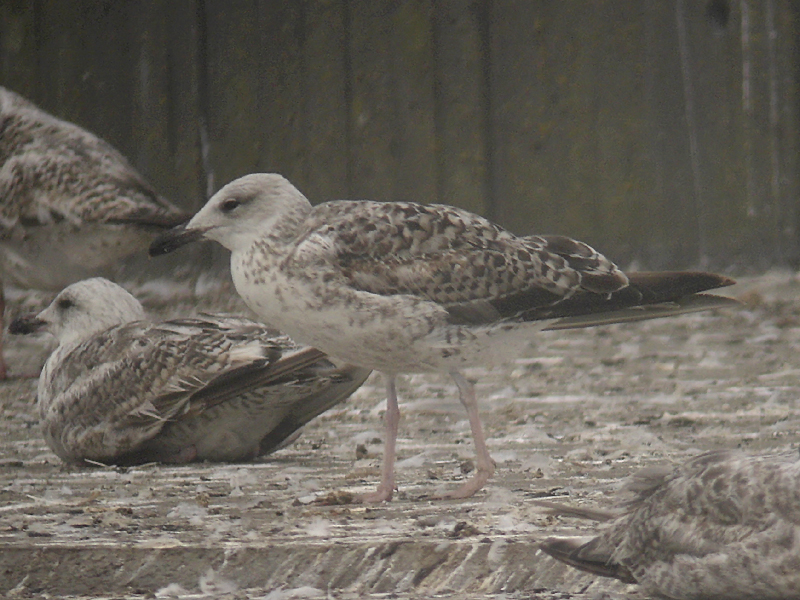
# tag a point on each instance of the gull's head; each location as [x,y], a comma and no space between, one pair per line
[81,310]
[240,213]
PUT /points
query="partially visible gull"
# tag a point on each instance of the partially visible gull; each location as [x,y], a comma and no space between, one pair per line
[723,525]
[402,287]
[120,389]
[71,206]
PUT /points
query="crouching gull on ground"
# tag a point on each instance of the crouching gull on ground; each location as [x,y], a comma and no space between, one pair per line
[723,525]
[402,287]
[120,389]
[71,206]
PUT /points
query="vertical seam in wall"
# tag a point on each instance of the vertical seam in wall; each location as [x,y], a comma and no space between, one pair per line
[263,104]
[489,187]
[776,218]
[398,143]
[790,116]
[348,97]
[438,108]
[302,128]
[691,126]
[38,35]
[207,183]
[173,118]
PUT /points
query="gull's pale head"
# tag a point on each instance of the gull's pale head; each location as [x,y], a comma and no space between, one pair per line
[240,213]
[81,310]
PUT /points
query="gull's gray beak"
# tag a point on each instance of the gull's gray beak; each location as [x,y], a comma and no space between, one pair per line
[26,324]
[174,239]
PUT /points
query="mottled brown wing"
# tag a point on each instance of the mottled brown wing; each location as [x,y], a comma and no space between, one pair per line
[53,171]
[476,270]
[276,370]
[105,396]
[123,385]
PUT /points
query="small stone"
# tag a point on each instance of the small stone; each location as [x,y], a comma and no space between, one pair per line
[463,529]
[336,498]
[361,452]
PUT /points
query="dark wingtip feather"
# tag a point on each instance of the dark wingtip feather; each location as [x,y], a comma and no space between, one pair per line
[666,286]
[570,551]
[350,379]
[645,289]
[630,314]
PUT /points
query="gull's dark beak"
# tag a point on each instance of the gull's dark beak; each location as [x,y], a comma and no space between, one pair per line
[174,239]
[26,324]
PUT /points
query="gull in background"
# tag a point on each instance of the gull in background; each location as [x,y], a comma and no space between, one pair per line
[402,287]
[722,525]
[71,206]
[120,389]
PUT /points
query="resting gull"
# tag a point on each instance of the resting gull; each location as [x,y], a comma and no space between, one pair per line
[403,287]
[72,206]
[723,525]
[120,389]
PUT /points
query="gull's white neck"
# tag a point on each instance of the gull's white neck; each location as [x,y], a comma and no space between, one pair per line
[285,225]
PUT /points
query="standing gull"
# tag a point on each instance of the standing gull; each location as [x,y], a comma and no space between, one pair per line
[723,525]
[120,389]
[71,206]
[402,287]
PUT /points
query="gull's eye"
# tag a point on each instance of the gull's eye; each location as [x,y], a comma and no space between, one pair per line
[65,303]
[230,205]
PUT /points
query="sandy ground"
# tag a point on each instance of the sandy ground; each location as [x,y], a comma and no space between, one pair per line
[569,420]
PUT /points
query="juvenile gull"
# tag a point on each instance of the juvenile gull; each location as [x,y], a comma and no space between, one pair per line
[120,389]
[71,206]
[723,525]
[403,287]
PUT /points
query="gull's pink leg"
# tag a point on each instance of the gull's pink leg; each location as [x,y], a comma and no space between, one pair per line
[386,487]
[484,468]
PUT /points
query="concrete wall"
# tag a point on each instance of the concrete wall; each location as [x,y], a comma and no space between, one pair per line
[664,132]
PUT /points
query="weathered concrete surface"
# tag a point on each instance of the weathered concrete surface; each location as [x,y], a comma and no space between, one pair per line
[570,419]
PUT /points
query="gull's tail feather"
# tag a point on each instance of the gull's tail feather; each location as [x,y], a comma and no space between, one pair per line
[664,286]
[649,295]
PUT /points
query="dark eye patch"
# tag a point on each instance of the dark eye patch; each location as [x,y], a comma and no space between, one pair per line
[231,204]
[65,303]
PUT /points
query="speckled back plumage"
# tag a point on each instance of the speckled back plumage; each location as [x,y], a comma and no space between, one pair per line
[475,269]
[52,171]
[723,525]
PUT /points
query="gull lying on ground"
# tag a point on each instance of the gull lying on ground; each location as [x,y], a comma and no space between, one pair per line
[402,287]
[723,525]
[72,206]
[120,389]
